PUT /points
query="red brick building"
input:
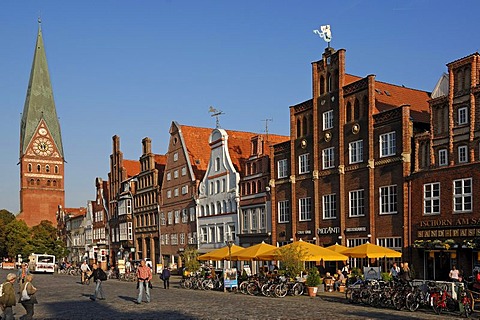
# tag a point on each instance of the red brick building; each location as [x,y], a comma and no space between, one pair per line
[41,150]
[341,177]
[445,218]
[100,222]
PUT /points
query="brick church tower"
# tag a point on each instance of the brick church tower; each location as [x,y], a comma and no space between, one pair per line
[41,150]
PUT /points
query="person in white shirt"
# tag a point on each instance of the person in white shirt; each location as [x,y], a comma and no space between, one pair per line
[85,268]
[454,273]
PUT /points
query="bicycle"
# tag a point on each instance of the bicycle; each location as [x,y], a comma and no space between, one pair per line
[443,301]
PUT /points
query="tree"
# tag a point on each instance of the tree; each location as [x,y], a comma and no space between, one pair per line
[17,239]
[5,218]
[44,240]
[189,257]
[292,258]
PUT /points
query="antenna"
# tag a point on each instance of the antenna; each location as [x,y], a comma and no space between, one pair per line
[325,33]
[215,113]
[266,126]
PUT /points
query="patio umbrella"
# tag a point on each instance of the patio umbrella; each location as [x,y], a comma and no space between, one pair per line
[312,251]
[337,248]
[220,254]
[369,250]
[252,253]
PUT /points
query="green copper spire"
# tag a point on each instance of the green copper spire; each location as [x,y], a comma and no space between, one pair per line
[39,103]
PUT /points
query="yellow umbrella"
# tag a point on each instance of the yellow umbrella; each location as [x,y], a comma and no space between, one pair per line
[369,250]
[220,254]
[337,248]
[252,253]
[312,252]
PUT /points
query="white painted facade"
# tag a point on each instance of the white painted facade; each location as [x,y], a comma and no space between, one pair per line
[218,200]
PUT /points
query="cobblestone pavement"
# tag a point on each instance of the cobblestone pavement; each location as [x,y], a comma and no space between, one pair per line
[63,297]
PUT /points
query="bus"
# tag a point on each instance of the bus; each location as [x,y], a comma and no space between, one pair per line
[41,263]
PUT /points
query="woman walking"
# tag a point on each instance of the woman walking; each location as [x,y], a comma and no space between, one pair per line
[27,296]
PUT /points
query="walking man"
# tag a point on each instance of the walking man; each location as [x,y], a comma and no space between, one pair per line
[8,300]
[166,277]
[144,276]
[98,276]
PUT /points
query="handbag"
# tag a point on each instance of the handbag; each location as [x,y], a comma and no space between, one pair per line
[25,296]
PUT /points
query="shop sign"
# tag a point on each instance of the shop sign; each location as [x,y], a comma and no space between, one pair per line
[328,230]
[356,229]
[304,232]
[450,222]
[449,233]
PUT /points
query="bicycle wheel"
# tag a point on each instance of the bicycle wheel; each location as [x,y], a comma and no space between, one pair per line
[252,288]
[297,289]
[411,302]
[399,300]
[281,290]
[437,305]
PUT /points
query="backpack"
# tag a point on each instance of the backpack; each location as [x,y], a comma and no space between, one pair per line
[102,275]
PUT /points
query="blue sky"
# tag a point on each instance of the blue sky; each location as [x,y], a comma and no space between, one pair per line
[131,67]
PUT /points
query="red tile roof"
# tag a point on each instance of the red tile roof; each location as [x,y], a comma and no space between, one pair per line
[132,167]
[75,212]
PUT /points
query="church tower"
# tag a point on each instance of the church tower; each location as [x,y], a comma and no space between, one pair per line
[41,150]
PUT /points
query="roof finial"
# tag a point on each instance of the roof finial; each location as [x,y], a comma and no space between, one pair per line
[216,113]
[39,21]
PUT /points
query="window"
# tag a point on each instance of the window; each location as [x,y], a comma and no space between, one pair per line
[175,174]
[29,167]
[47,168]
[245,221]
[162,219]
[174,238]
[431,198]
[462,115]
[283,211]
[254,220]
[355,150]
[442,157]
[169,176]
[170,217]
[217,186]
[329,206]
[169,193]
[387,144]
[356,242]
[388,199]
[192,214]
[282,168]
[177,216]
[211,234]
[184,171]
[357,205]
[39,168]
[305,206]
[204,235]
[224,184]
[175,156]
[175,192]
[263,219]
[55,169]
[185,189]
[304,163]
[462,195]
[328,120]
[462,154]
[394,243]
[182,238]
[328,158]
[217,164]
[130,231]
[184,216]
[220,235]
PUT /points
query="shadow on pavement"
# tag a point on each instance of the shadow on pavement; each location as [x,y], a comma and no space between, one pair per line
[128,298]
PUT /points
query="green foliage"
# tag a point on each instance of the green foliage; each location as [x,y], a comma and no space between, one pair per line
[386,276]
[5,218]
[313,278]
[356,272]
[291,258]
[189,257]
[17,239]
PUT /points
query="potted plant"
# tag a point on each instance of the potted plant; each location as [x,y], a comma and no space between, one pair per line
[313,281]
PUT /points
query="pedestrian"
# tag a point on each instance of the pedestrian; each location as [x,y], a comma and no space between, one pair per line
[166,277]
[338,282]
[85,268]
[405,273]
[7,301]
[28,299]
[454,273]
[394,270]
[346,270]
[144,276]
[22,273]
[98,276]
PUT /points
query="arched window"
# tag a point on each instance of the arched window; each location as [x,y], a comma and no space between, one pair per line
[329,82]
[467,78]
[248,189]
[305,126]
[322,84]
[207,210]
[356,110]
[299,129]
[212,208]
[39,168]
[54,183]
[29,167]
[47,168]
[32,182]
[224,205]
[349,112]
[254,168]
[49,183]
[223,185]
[254,187]
[38,182]
[217,164]
[217,186]
[365,106]
[219,207]
[459,80]
[259,186]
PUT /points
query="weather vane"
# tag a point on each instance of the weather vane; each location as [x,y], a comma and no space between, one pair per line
[324,33]
[216,113]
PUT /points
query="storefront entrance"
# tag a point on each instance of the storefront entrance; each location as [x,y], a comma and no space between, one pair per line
[438,265]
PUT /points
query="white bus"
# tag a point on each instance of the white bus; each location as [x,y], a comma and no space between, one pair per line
[41,263]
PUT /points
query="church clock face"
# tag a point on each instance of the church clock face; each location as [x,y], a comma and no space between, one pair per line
[42,147]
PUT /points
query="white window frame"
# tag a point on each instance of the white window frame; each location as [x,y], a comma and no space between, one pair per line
[175,174]
[329,202]
[169,194]
[182,238]
[305,209]
[431,198]
[388,144]
[177,216]
[304,163]
[462,114]
[442,157]
[388,199]
[462,154]
[169,176]
[355,150]
[328,120]
[184,171]
[462,195]
[394,243]
[283,211]
[328,158]
[184,216]
[175,156]
[192,214]
[185,189]
[282,168]
[356,203]
[170,217]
